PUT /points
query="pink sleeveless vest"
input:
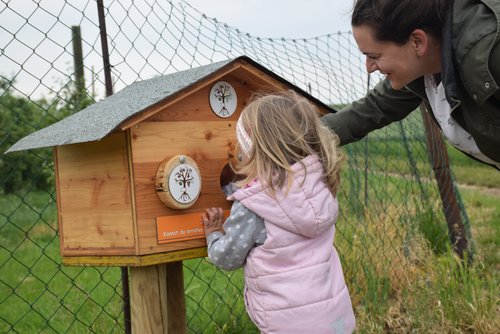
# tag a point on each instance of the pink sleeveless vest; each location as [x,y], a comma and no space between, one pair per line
[294,281]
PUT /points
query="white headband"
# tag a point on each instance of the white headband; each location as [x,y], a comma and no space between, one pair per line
[243,138]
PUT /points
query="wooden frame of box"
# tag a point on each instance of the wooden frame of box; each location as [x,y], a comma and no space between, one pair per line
[106,198]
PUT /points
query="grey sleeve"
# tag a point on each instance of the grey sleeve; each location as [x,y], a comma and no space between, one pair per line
[243,230]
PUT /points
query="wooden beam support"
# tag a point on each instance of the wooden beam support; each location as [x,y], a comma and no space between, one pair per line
[157,299]
[135,261]
[438,156]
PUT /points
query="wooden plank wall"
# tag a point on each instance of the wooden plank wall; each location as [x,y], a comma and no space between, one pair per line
[94,198]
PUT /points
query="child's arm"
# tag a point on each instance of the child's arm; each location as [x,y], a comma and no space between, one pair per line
[229,242]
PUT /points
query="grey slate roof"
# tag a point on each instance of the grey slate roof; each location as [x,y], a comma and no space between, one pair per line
[100,119]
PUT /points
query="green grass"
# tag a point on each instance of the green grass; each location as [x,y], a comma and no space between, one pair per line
[36,291]
[484,213]
[408,280]
[472,172]
[482,205]
[401,283]
[391,237]
[214,299]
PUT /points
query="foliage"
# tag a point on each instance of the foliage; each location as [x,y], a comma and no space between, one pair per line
[20,116]
[435,234]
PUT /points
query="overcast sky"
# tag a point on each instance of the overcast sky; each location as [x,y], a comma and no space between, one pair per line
[36,42]
[280,18]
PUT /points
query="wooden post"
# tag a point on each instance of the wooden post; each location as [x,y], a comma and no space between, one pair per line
[109,91]
[104,46]
[440,164]
[157,299]
[78,60]
[176,303]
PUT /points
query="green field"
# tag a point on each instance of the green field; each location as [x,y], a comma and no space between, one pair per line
[400,270]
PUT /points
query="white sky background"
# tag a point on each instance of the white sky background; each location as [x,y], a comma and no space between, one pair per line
[288,19]
[280,18]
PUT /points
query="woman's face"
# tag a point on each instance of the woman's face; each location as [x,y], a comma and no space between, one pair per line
[399,63]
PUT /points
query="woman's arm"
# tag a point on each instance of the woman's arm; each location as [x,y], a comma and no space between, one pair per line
[380,107]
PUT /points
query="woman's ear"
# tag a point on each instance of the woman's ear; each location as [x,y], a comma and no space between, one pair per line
[419,41]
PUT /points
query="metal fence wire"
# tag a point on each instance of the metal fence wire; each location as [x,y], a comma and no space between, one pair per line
[391,209]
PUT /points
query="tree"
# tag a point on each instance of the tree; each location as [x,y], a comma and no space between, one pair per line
[20,116]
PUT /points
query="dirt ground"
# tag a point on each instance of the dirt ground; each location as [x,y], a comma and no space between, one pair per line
[489,191]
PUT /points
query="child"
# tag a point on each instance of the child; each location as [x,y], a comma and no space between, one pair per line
[282,222]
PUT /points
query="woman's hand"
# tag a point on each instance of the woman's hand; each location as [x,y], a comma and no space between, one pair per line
[212,220]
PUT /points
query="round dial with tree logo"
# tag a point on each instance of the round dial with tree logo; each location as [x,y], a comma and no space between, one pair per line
[223,99]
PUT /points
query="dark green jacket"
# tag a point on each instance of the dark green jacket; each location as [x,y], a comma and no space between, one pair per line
[470,74]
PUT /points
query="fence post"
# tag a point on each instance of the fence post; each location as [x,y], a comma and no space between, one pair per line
[109,92]
[78,60]
[104,46]
[440,164]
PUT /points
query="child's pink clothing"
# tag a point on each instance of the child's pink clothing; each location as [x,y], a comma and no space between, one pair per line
[294,281]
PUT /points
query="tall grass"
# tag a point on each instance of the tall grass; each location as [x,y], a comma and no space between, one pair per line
[405,286]
[36,291]
[214,299]
[401,273]
[400,269]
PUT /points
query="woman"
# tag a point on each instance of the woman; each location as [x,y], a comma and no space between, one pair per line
[442,52]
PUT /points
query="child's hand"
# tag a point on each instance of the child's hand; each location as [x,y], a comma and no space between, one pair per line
[212,220]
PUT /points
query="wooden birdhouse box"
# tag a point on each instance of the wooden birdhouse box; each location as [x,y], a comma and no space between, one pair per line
[135,171]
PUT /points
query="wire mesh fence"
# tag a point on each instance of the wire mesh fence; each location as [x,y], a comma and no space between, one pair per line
[390,202]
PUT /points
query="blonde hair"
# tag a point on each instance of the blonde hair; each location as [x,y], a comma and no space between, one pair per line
[284,129]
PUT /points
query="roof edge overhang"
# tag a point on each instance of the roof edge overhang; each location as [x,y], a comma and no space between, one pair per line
[219,73]
[156,106]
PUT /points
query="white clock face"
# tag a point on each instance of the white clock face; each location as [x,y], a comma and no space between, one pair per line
[223,99]
[184,184]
